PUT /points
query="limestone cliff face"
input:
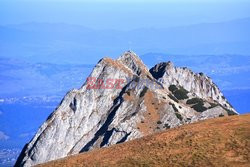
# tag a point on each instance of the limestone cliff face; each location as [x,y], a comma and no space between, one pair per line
[142,102]
[197,84]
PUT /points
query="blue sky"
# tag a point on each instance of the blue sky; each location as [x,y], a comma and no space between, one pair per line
[100,14]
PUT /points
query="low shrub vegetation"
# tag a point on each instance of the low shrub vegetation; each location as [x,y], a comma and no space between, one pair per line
[199,107]
[173,98]
[180,93]
[178,115]
[194,100]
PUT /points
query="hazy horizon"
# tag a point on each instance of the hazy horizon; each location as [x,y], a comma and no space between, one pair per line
[122,15]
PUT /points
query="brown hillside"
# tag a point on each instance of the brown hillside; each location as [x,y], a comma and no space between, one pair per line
[215,142]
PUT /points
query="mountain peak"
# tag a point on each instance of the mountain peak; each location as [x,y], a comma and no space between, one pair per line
[106,61]
[133,62]
[100,116]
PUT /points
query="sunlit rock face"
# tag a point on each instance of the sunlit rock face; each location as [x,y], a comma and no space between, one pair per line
[198,84]
[131,102]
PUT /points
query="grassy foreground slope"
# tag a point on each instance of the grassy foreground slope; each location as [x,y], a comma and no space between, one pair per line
[215,142]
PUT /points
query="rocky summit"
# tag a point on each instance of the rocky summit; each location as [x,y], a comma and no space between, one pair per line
[123,100]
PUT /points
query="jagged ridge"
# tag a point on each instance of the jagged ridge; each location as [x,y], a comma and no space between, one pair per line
[94,118]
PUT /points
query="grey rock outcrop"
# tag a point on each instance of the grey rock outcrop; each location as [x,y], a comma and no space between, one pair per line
[198,84]
[144,102]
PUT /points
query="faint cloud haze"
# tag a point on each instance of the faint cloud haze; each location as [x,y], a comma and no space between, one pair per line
[3,136]
[122,15]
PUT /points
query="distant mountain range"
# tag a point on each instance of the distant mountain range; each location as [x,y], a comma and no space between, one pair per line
[63,43]
[19,78]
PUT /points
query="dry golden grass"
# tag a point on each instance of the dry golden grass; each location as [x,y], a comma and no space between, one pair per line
[215,142]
